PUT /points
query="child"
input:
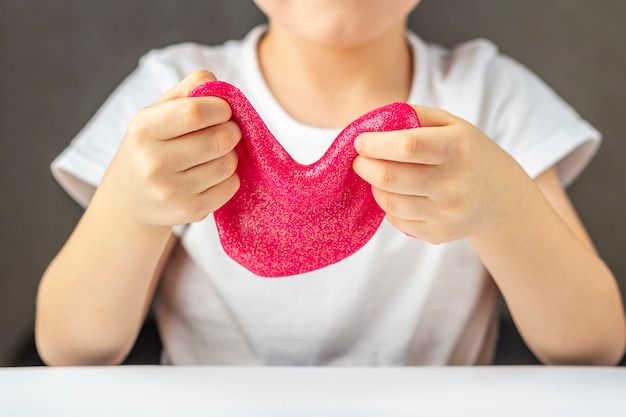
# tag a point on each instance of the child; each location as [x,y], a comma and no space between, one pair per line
[474,203]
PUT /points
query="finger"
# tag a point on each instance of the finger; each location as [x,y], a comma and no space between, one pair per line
[216,196]
[406,207]
[398,177]
[417,229]
[424,145]
[202,177]
[183,88]
[201,146]
[177,117]
[433,117]
[424,230]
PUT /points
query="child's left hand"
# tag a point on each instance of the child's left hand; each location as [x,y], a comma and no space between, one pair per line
[444,181]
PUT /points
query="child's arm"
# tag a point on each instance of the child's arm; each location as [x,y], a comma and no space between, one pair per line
[175,165]
[447,181]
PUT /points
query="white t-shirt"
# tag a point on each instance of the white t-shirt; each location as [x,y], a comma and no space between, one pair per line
[398,300]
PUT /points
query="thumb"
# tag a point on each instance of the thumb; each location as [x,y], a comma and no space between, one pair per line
[432,116]
[183,88]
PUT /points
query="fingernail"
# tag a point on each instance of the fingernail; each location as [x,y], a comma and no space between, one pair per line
[357,144]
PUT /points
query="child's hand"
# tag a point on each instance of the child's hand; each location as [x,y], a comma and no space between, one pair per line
[177,162]
[444,181]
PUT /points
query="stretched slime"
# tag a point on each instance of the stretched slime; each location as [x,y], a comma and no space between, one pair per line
[288,218]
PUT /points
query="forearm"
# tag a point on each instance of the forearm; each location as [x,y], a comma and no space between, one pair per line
[561,295]
[176,165]
[94,295]
[447,180]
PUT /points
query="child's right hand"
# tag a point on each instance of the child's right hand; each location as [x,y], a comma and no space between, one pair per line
[177,162]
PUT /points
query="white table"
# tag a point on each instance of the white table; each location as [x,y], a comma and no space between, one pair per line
[232,391]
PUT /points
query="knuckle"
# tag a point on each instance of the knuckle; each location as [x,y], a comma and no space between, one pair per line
[433,235]
[190,211]
[455,203]
[155,162]
[225,137]
[191,112]
[435,241]
[229,163]
[202,75]
[220,143]
[385,176]
[463,144]
[458,147]
[148,167]
[407,146]
[137,128]
[163,193]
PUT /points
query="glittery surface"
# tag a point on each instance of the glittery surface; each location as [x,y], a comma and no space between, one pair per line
[288,218]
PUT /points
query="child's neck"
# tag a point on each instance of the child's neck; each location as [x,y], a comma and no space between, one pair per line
[328,87]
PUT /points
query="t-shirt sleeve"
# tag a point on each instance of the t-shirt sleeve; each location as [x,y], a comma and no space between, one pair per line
[531,122]
[81,166]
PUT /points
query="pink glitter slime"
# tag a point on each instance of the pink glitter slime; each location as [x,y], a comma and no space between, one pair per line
[288,218]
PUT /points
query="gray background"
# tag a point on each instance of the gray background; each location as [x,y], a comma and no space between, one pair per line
[60,59]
